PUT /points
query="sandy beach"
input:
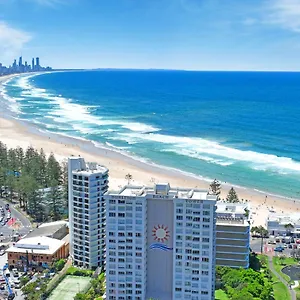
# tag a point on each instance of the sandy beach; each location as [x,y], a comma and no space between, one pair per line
[16,133]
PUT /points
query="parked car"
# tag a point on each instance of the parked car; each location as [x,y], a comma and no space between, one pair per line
[15,272]
[279,249]
[290,246]
[2,252]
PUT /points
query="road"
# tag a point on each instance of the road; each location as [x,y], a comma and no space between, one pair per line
[8,231]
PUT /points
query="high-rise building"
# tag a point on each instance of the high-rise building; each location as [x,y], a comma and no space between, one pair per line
[233,235]
[14,66]
[32,65]
[87,185]
[37,62]
[160,243]
[20,62]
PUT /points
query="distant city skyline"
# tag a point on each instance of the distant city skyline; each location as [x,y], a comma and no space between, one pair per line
[23,68]
[167,34]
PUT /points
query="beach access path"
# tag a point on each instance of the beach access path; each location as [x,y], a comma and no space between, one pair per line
[291,291]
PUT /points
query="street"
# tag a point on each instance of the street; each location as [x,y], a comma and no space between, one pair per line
[19,225]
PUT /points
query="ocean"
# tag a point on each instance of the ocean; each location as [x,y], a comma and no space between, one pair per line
[242,128]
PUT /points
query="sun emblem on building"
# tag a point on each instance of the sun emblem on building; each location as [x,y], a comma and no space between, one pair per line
[160,233]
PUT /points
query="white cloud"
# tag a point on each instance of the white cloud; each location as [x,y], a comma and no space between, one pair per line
[285,13]
[11,41]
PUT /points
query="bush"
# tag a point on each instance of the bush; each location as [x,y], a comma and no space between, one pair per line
[59,264]
[79,272]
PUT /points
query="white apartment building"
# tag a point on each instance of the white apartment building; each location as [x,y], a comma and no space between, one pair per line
[233,234]
[87,185]
[276,224]
[160,243]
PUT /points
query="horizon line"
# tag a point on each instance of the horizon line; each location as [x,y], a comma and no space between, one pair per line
[170,70]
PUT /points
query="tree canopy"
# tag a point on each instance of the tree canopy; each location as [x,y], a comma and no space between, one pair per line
[215,188]
[232,196]
[244,284]
[37,182]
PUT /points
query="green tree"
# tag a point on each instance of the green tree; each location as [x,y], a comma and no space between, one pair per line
[65,194]
[232,196]
[54,172]
[55,201]
[289,227]
[20,157]
[215,188]
[58,265]
[242,295]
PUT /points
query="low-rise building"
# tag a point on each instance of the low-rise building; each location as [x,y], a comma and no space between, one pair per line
[56,230]
[36,251]
[232,235]
[277,224]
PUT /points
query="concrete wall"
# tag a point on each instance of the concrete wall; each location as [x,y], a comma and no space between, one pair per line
[160,262]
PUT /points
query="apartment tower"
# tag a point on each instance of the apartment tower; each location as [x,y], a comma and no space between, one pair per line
[87,184]
[160,243]
[233,234]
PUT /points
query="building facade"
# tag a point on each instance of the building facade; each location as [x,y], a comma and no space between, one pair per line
[277,224]
[232,235]
[160,243]
[87,185]
[36,252]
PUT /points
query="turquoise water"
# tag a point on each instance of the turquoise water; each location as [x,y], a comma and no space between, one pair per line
[238,127]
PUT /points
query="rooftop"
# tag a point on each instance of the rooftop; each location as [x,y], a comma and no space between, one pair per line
[47,229]
[231,208]
[164,189]
[37,245]
[88,168]
[285,219]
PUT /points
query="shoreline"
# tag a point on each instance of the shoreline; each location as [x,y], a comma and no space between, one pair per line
[15,133]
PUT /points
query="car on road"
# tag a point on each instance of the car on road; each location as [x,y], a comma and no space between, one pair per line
[2,252]
[271,242]
[7,206]
[279,249]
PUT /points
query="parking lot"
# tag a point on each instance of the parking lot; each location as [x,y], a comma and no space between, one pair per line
[276,245]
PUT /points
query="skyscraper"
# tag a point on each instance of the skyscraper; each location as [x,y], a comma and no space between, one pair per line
[32,65]
[160,243]
[87,185]
[37,62]
[20,62]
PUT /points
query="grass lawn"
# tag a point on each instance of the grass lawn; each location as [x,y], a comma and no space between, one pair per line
[280,290]
[221,295]
[279,264]
[69,287]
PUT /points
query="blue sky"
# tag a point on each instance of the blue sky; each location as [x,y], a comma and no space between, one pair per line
[172,34]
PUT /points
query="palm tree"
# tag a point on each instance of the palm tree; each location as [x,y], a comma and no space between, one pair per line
[128,177]
[262,232]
